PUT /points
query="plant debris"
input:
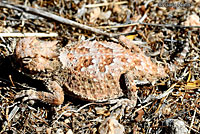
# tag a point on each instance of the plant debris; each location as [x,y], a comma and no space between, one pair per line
[168,32]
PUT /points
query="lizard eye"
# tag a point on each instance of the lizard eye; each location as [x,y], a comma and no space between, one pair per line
[26,60]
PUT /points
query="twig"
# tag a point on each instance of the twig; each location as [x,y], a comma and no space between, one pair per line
[13,113]
[57,18]
[149,24]
[141,107]
[28,34]
[10,77]
[166,93]
[189,126]
[106,4]
[85,106]
[40,119]
[192,121]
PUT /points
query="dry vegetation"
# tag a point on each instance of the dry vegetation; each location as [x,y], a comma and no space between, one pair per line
[162,30]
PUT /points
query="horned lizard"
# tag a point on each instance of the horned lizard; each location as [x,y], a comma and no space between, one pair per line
[90,70]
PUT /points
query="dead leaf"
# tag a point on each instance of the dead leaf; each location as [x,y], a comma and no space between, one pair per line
[140,114]
[117,9]
[131,37]
[192,85]
[105,15]
[94,14]
[111,126]
[192,20]
[130,28]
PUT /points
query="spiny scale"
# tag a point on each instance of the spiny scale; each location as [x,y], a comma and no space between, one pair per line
[90,70]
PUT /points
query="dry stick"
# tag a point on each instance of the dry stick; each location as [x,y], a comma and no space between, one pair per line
[73,23]
[149,24]
[106,4]
[55,17]
[192,120]
[189,126]
[28,34]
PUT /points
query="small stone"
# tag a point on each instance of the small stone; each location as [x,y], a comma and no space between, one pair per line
[39,129]
[174,126]
[101,110]
[48,130]
[67,121]
[59,131]
[69,131]
[111,126]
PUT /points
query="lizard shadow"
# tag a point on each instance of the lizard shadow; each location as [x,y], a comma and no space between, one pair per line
[10,77]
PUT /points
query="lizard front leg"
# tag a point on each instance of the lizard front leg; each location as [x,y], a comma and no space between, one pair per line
[55,97]
[130,90]
[131,87]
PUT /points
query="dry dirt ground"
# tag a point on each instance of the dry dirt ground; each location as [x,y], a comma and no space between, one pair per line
[167,31]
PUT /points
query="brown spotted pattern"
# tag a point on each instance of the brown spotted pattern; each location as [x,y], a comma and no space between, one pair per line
[90,70]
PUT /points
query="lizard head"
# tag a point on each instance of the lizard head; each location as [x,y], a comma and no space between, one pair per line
[34,55]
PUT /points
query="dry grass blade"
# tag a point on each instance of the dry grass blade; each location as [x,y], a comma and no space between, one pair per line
[28,35]
[106,4]
[54,17]
[167,33]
